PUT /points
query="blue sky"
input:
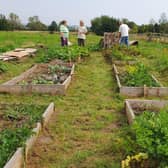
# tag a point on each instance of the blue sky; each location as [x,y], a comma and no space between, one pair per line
[140,11]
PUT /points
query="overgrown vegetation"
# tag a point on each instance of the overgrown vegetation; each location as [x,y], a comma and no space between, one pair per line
[10,139]
[90,118]
[137,76]
[3,67]
[64,53]
[151,134]
[21,119]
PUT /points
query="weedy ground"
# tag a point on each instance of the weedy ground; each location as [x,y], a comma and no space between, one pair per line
[89,127]
[86,129]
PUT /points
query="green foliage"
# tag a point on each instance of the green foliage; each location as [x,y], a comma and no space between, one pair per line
[119,55]
[52,27]
[132,50]
[58,68]
[152,134]
[137,76]
[104,24]
[162,62]
[64,53]
[35,24]
[30,113]
[3,67]
[10,140]
[95,47]
[40,80]
[4,24]
[14,137]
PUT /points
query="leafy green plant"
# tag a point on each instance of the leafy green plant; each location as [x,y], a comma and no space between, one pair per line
[64,53]
[10,140]
[32,113]
[14,137]
[95,47]
[119,55]
[137,76]
[58,68]
[162,63]
[3,67]
[132,51]
[40,80]
[152,135]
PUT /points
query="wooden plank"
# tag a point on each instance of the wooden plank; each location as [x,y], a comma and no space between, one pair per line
[17,160]
[129,112]
[47,114]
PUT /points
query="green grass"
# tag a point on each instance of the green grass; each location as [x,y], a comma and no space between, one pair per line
[89,128]
[87,131]
[154,56]
[31,39]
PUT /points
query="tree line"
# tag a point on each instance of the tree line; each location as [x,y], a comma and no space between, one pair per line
[99,25]
[13,22]
[102,24]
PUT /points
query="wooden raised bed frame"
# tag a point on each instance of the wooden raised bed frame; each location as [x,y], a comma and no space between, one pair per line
[131,105]
[13,87]
[140,91]
[19,158]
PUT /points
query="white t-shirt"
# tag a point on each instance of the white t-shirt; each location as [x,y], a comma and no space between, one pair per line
[82,30]
[124,30]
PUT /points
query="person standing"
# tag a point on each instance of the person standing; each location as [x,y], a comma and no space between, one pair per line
[124,34]
[82,31]
[64,33]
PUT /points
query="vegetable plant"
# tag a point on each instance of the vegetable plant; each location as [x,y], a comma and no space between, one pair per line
[63,53]
[137,76]
[151,134]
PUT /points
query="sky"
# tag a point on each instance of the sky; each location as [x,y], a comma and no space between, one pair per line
[139,11]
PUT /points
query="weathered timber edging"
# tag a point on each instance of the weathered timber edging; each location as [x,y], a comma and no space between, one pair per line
[19,158]
[132,105]
[140,91]
[13,87]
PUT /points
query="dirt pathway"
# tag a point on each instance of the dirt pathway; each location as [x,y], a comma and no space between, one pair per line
[85,132]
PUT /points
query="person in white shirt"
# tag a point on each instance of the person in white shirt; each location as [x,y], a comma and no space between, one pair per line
[82,31]
[124,34]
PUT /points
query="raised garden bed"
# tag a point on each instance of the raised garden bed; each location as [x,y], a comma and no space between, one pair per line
[134,108]
[118,62]
[53,78]
[17,135]
[152,88]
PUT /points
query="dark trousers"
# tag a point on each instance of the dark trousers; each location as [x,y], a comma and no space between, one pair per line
[81,42]
[64,41]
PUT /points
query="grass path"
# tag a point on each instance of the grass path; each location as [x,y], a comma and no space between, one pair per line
[86,130]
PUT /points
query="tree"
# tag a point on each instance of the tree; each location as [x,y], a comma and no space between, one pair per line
[163,18]
[35,24]
[52,27]
[163,23]
[103,24]
[14,21]
[152,21]
[157,28]
[4,25]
